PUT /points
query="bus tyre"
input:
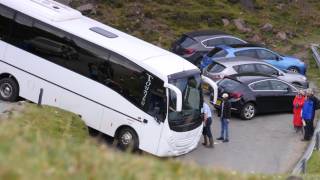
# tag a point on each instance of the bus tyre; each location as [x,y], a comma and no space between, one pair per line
[248,111]
[9,90]
[127,140]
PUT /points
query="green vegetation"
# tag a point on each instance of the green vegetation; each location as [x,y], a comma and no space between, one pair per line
[39,143]
[314,164]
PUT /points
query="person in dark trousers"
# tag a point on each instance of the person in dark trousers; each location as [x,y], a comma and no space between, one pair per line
[225,118]
[307,116]
[308,113]
[207,120]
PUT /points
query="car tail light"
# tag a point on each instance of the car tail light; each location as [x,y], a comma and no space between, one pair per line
[236,95]
[189,51]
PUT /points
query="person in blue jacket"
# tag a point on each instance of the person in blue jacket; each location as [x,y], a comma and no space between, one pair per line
[308,113]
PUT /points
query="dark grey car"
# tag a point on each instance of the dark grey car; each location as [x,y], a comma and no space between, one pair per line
[229,66]
[193,45]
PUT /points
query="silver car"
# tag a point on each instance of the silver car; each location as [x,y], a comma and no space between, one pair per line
[229,66]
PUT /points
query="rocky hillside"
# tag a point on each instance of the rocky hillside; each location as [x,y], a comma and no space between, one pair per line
[272,22]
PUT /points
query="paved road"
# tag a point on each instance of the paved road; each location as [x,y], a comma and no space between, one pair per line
[266,144]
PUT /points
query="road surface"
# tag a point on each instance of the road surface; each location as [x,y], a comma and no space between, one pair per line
[267,144]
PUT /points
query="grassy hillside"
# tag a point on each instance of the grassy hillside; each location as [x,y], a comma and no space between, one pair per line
[39,143]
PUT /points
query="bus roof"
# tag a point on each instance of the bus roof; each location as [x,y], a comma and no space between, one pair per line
[158,61]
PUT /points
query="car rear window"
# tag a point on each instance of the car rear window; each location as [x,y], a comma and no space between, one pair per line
[229,84]
[186,41]
[217,52]
[215,67]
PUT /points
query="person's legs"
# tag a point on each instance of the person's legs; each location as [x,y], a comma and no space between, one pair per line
[209,134]
[227,128]
[204,133]
[221,130]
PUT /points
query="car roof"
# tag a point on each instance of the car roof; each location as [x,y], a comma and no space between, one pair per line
[247,78]
[239,60]
[236,46]
[208,32]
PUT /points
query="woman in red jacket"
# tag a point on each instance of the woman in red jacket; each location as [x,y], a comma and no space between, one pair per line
[297,107]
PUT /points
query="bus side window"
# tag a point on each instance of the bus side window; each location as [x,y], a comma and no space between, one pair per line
[6,18]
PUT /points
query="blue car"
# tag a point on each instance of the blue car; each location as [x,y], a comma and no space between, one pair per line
[248,50]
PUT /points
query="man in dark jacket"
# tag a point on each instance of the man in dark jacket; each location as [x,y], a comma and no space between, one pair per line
[310,106]
[225,118]
[307,118]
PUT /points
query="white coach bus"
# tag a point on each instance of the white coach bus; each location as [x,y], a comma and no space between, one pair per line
[145,97]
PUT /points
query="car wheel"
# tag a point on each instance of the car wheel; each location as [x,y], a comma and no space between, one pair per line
[294,69]
[127,140]
[9,90]
[248,111]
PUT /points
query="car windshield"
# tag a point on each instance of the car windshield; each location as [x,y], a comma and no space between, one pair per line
[192,100]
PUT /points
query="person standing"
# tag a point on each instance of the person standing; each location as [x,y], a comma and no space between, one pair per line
[207,121]
[307,117]
[297,108]
[225,118]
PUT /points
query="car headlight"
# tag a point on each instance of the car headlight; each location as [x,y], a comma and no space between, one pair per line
[303,78]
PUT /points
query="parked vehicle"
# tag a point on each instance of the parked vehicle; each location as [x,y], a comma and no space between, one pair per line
[145,97]
[194,45]
[248,50]
[229,66]
[253,94]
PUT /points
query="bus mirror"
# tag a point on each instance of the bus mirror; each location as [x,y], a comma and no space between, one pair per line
[178,95]
[213,85]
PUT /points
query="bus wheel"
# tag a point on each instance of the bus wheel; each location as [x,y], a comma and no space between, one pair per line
[127,140]
[9,90]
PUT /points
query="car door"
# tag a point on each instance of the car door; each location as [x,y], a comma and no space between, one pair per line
[264,95]
[245,68]
[247,53]
[283,95]
[269,57]
[266,69]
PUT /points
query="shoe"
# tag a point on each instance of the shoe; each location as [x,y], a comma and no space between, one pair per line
[226,140]
[220,138]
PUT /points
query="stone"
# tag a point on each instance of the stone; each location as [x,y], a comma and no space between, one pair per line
[256,38]
[282,35]
[87,8]
[267,27]
[241,26]
[225,22]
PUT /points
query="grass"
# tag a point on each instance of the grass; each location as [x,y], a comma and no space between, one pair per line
[39,143]
[314,164]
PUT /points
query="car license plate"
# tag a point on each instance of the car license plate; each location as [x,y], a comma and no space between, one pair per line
[218,102]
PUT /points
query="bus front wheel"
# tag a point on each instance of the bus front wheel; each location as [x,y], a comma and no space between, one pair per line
[127,139]
[9,90]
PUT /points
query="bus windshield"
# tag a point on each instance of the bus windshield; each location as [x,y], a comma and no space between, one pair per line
[192,100]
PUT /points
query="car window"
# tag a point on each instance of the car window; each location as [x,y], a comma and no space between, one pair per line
[264,54]
[213,42]
[279,86]
[215,67]
[230,41]
[262,85]
[186,41]
[247,53]
[265,69]
[217,52]
[229,84]
[245,68]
